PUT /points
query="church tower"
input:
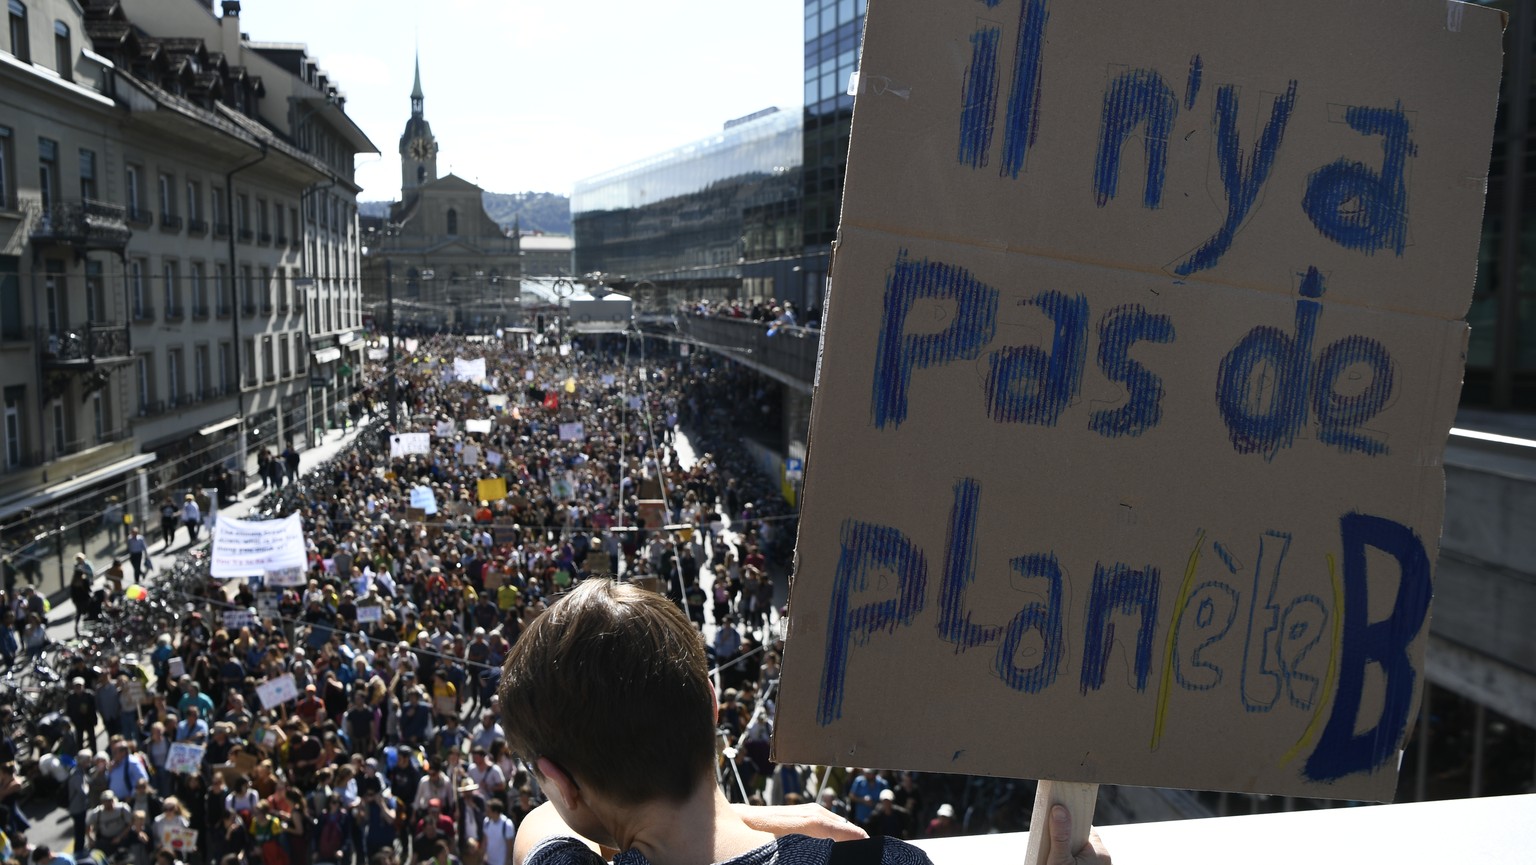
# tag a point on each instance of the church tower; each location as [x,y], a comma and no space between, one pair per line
[418,149]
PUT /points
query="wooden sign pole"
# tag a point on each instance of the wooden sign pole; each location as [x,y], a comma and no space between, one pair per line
[1079,800]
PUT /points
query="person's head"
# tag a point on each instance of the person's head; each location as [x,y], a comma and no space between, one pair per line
[606,645]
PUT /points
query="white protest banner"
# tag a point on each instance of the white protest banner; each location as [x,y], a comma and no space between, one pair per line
[404,444]
[250,548]
[370,613]
[185,758]
[237,619]
[423,498]
[1143,343]
[378,354]
[284,577]
[478,425]
[277,690]
[176,667]
[496,401]
[444,428]
[527,375]
[469,454]
[469,370]
[412,344]
[573,432]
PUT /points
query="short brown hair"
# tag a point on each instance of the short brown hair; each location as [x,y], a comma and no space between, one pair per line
[611,684]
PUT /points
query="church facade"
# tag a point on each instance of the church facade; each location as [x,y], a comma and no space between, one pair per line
[452,266]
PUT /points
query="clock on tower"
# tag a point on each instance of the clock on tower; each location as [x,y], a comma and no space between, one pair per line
[420,149]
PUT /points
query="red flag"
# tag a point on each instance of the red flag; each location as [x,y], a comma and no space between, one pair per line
[552,401]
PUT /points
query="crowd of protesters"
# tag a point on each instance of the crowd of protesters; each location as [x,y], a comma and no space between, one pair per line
[765,311]
[392,751]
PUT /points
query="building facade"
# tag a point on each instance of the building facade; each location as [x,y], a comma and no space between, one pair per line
[438,260]
[152,324]
[689,220]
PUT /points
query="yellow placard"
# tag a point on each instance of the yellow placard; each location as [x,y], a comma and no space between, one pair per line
[492,490]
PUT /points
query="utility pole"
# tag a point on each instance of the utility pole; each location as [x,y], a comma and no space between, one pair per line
[389,300]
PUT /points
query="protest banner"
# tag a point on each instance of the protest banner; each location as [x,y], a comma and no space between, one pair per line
[176,667]
[497,401]
[469,370]
[652,512]
[424,500]
[184,758]
[370,613]
[1142,347]
[635,402]
[469,455]
[250,548]
[609,379]
[179,840]
[478,425]
[573,432]
[443,428]
[405,444]
[598,562]
[267,605]
[416,515]
[561,488]
[234,620]
[492,459]
[491,490]
[277,690]
[284,577]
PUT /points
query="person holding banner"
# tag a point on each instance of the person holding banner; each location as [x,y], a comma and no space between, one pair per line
[586,694]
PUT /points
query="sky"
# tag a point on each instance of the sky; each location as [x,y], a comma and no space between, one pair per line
[532,95]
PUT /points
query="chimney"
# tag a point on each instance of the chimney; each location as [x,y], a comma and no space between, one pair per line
[230,25]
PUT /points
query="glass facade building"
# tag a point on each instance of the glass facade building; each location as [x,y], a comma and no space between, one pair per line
[834,30]
[689,218]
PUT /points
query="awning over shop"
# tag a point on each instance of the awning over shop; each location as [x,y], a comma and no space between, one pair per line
[59,490]
[219,427]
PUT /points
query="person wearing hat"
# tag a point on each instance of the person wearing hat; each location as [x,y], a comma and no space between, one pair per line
[943,824]
[191,517]
[109,824]
[80,708]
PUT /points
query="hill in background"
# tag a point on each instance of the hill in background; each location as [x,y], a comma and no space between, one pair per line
[543,212]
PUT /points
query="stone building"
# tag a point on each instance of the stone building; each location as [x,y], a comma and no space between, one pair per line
[452,265]
[177,215]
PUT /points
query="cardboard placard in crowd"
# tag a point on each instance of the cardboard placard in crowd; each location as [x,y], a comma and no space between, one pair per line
[1143,342]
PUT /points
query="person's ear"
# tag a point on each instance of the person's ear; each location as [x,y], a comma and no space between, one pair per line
[556,781]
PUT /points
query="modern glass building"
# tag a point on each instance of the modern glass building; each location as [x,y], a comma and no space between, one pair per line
[688,219]
[834,30]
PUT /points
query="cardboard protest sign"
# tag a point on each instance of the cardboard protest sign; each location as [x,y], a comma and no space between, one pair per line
[178,839]
[250,548]
[277,690]
[184,758]
[573,432]
[652,512]
[491,490]
[424,499]
[443,428]
[1143,343]
[404,444]
[561,487]
[370,613]
[234,620]
[469,370]
[478,425]
[284,577]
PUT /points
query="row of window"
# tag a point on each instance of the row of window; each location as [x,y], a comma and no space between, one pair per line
[197,291]
[62,437]
[255,220]
[267,359]
[21,40]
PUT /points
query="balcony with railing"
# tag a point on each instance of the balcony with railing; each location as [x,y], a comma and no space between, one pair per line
[266,306]
[83,225]
[264,238]
[83,347]
[282,239]
[221,230]
[247,310]
[175,313]
[197,227]
[246,235]
[785,353]
[143,312]
[223,310]
[138,217]
[170,223]
[199,312]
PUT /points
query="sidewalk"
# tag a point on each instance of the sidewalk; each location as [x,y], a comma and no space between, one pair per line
[101,549]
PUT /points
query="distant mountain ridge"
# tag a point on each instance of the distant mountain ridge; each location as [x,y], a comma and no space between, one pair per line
[534,211]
